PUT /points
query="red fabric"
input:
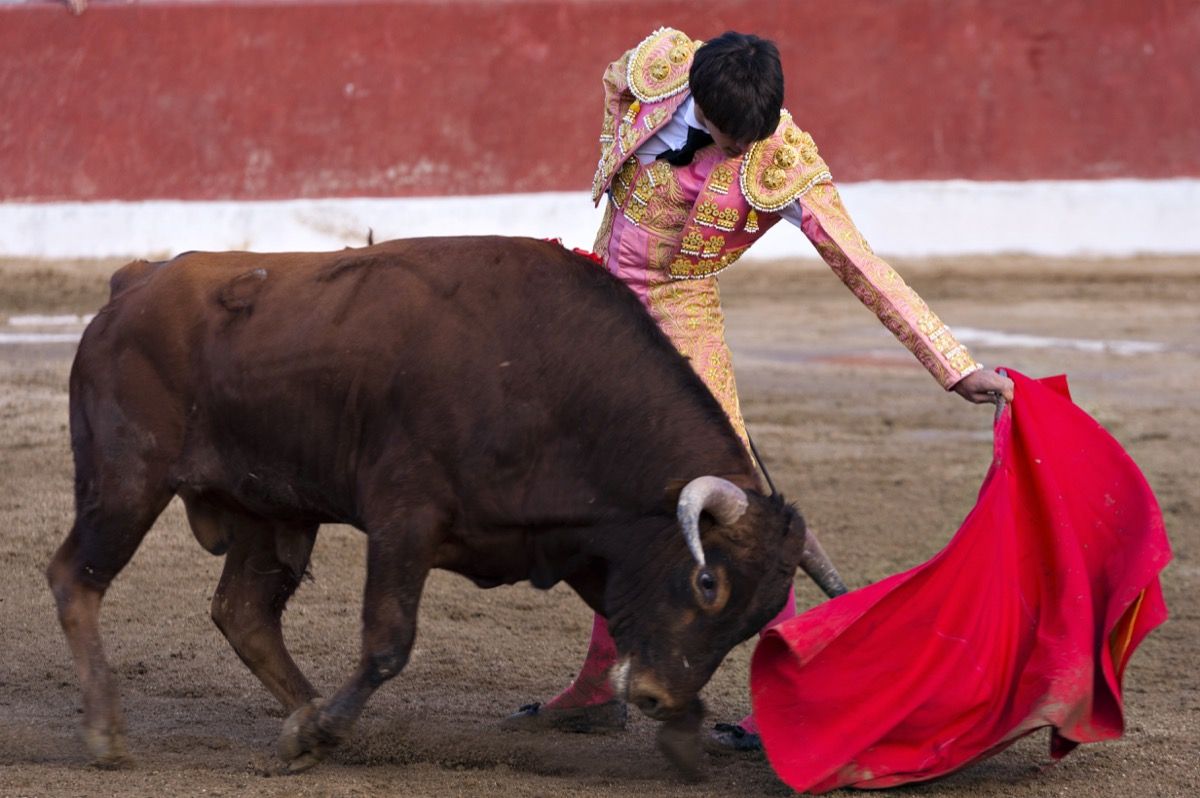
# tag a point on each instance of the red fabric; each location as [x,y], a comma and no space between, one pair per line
[587,253]
[1026,619]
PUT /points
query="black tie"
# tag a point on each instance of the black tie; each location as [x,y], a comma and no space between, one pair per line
[696,139]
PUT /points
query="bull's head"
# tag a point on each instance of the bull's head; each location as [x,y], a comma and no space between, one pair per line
[675,623]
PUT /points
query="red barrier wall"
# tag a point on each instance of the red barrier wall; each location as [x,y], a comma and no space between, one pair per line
[207,100]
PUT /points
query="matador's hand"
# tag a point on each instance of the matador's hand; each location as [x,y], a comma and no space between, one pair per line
[984,386]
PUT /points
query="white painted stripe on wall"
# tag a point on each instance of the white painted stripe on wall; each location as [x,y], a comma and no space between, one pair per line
[971,335]
[35,320]
[39,338]
[917,218]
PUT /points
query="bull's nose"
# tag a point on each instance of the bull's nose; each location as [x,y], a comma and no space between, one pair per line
[651,698]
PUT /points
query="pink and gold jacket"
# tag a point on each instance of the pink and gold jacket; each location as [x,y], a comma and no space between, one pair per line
[741,197]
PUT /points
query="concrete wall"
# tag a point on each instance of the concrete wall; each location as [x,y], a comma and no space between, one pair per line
[261,100]
[145,128]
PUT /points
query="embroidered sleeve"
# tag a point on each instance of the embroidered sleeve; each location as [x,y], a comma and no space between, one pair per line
[616,98]
[880,288]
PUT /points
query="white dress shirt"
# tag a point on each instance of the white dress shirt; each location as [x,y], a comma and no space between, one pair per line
[673,135]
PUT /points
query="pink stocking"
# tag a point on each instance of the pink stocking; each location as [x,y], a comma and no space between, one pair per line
[591,686]
[788,612]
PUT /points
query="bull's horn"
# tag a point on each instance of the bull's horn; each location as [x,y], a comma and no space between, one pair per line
[819,567]
[726,501]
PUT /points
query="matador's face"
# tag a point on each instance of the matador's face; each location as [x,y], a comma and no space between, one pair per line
[728,144]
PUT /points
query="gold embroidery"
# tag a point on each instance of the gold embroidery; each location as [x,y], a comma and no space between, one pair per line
[655,118]
[773,178]
[632,111]
[684,268]
[706,213]
[692,242]
[623,182]
[928,323]
[666,210]
[606,160]
[659,66]
[961,361]
[643,188]
[604,234]
[945,341]
[781,168]
[690,315]
[720,178]
[628,137]
[634,211]
[620,193]
[727,219]
[751,221]
[713,246]
[660,173]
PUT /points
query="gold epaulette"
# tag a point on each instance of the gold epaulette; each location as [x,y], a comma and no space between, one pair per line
[659,66]
[777,170]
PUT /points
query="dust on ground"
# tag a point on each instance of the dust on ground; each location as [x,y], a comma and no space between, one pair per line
[881,461]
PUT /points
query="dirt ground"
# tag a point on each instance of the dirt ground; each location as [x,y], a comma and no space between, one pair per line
[880,460]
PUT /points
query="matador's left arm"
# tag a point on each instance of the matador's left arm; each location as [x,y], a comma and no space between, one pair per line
[828,225]
[825,221]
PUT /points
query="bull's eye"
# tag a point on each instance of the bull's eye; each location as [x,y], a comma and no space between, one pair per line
[708,587]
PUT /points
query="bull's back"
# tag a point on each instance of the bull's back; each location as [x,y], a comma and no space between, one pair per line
[482,351]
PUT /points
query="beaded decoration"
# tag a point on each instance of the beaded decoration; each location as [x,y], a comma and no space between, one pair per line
[659,66]
[777,170]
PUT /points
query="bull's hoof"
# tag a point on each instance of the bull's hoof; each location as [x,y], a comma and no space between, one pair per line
[107,749]
[731,737]
[597,719]
[683,749]
[301,744]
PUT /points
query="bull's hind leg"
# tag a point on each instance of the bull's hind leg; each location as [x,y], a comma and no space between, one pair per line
[263,568]
[100,544]
[399,557]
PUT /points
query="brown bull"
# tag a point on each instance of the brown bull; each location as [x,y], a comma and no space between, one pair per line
[500,408]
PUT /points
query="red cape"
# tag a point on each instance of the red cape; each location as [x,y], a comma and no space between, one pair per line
[1026,619]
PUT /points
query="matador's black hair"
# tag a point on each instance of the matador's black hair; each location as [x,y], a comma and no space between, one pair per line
[737,80]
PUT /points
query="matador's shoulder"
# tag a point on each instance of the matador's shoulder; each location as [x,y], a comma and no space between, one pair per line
[781,168]
[658,67]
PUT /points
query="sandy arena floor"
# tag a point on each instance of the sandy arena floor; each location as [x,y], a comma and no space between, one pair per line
[881,462]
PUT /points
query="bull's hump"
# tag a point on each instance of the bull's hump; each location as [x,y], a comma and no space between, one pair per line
[130,274]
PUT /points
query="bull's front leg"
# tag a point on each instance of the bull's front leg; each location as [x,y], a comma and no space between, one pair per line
[399,557]
[679,741]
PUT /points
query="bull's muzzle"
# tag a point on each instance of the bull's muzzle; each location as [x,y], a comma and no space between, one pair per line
[653,699]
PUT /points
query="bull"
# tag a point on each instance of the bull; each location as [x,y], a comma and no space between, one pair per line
[500,408]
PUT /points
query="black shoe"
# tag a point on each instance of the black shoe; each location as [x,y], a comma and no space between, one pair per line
[732,737]
[595,719]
